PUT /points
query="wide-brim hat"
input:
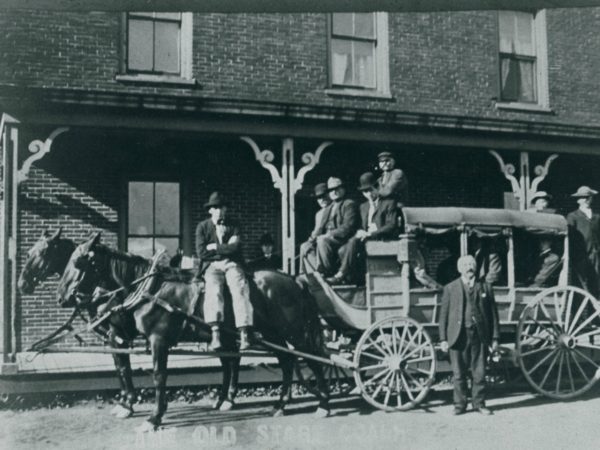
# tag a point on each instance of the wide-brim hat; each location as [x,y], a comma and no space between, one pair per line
[383,155]
[540,194]
[367,181]
[584,191]
[334,183]
[320,190]
[214,201]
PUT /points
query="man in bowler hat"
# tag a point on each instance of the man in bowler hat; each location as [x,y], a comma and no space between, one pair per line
[218,247]
[307,249]
[468,324]
[584,234]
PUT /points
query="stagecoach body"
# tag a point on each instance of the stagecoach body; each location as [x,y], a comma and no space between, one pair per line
[549,332]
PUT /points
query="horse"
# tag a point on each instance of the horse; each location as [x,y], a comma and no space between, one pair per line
[284,312]
[48,256]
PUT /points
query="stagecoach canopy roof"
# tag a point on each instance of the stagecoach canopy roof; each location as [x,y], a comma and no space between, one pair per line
[482,218]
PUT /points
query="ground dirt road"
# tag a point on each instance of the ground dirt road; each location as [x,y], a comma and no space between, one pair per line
[521,421]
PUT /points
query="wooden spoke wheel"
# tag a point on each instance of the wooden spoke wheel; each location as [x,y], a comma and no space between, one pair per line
[395,364]
[558,342]
[339,380]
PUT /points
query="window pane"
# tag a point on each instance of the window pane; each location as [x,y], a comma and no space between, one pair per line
[507,35]
[518,80]
[342,24]
[527,93]
[140,246]
[364,25]
[364,67]
[524,32]
[167,208]
[341,63]
[166,51]
[516,33]
[169,244]
[139,45]
[140,208]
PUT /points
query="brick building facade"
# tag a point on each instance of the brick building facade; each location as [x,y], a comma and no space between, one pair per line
[269,77]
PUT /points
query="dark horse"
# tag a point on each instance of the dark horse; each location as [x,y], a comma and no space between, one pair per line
[48,256]
[284,313]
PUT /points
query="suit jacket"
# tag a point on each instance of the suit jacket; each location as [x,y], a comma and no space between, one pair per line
[321,219]
[489,266]
[393,185]
[206,233]
[452,312]
[547,269]
[584,233]
[344,219]
[385,218]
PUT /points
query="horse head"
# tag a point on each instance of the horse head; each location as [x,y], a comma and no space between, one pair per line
[81,275]
[44,259]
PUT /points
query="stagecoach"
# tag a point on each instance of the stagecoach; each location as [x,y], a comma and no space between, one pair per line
[385,332]
[392,322]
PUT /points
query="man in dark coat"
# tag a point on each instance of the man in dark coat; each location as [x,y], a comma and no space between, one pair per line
[379,219]
[584,234]
[392,182]
[218,247]
[468,324]
[269,260]
[546,265]
[342,223]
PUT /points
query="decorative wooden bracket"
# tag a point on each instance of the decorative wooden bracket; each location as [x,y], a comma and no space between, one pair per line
[39,150]
[523,189]
[310,160]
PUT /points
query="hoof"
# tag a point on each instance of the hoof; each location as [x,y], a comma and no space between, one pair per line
[278,412]
[216,404]
[121,412]
[226,405]
[321,413]
[146,427]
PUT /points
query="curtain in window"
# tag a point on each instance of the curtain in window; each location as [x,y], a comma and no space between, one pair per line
[517,80]
[342,73]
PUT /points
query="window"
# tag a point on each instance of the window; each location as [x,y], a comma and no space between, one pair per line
[359,53]
[157,45]
[153,218]
[523,58]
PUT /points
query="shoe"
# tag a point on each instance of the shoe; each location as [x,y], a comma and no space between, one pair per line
[458,411]
[245,339]
[485,411]
[337,280]
[215,343]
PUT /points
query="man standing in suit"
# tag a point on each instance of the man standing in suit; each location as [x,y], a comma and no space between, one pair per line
[468,325]
[342,223]
[584,233]
[379,219]
[392,182]
[218,247]
[308,258]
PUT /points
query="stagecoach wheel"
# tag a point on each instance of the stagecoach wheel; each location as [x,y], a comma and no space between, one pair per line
[395,364]
[558,342]
[339,381]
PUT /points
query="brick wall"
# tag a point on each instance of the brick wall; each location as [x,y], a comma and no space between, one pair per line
[439,62]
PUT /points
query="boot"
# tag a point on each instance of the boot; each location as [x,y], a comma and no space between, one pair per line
[215,343]
[245,340]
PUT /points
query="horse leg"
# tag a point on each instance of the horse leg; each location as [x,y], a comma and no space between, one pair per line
[218,403]
[124,408]
[234,369]
[286,362]
[322,389]
[160,355]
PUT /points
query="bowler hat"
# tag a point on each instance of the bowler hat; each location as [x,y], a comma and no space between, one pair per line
[320,190]
[584,191]
[540,194]
[383,155]
[334,183]
[367,181]
[266,239]
[215,201]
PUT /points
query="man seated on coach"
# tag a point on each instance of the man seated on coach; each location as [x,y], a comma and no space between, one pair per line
[308,257]
[342,223]
[379,219]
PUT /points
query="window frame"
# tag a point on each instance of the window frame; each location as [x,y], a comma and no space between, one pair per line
[540,72]
[184,77]
[381,63]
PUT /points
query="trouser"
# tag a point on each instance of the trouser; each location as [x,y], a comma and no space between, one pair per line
[308,257]
[217,275]
[327,254]
[468,353]
[351,256]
